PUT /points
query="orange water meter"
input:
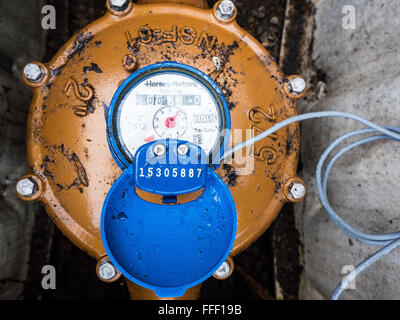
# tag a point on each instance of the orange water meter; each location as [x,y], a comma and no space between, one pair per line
[175,72]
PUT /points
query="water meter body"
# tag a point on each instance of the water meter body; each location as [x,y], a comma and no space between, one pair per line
[169,79]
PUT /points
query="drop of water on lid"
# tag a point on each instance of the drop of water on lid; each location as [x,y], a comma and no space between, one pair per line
[122,216]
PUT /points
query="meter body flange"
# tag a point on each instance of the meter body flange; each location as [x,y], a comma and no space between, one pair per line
[66,128]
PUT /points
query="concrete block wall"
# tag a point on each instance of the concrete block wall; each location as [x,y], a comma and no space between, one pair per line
[362,77]
[21,41]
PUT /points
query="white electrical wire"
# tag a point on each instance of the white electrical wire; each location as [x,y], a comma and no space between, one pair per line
[390,241]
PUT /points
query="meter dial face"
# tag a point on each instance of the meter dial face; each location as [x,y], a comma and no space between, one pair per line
[168,104]
[170,122]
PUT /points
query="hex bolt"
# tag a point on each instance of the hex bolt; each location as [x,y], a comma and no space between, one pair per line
[183,150]
[297,85]
[119,5]
[225,10]
[297,190]
[33,72]
[223,271]
[159,150]
[107,271]
[129,62]
[217,62]
[27,187]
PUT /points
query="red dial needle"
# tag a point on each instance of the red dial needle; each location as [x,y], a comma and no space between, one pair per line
[170,122]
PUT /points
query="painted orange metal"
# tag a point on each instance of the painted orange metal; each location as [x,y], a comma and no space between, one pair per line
[67,144]
[139,293]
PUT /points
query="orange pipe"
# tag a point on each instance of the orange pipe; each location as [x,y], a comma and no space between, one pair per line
[139,293]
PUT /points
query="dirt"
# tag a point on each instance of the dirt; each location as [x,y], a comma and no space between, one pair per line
[264,20]
[93,67]
[297,15]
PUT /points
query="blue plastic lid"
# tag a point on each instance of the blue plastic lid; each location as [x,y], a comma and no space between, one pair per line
[168,248]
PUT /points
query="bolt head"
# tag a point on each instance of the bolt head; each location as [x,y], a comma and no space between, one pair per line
[223,271]
[226,10]
[159,150]
[298,190]
[129,62]
[217,62]
[26,187]
[33,72]
[183,149]
[297,85]
[119,5]
[107,271]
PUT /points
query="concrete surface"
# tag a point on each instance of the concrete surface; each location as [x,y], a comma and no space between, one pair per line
[21,34]
[363,77]
[20,41]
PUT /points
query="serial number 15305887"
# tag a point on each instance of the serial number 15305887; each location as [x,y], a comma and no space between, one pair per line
[170,172]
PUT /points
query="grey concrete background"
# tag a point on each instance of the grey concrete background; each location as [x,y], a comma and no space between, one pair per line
[20,41]
[362,77]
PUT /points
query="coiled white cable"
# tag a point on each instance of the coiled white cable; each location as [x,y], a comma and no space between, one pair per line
[390,241]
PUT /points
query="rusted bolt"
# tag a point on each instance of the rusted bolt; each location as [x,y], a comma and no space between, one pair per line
[183,149]
[27,187]
[225,10]
[225,270]
[297,85]
[129,62]
[297,190]
[119,5]
[107,271]
[33,72]
[159,150]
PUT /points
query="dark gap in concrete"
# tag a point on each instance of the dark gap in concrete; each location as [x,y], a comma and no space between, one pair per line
[298,13]
[286,238]
[287,246]
[5,64]
[42,235]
